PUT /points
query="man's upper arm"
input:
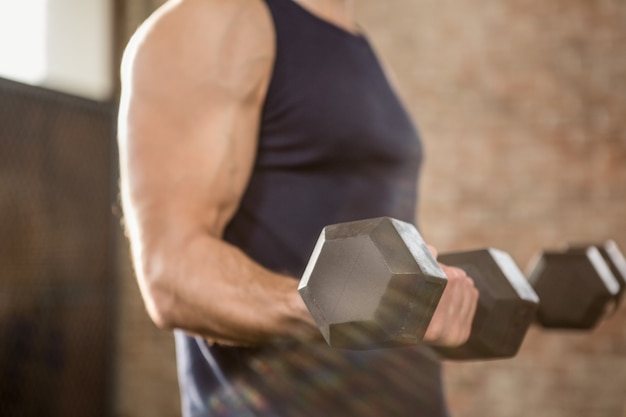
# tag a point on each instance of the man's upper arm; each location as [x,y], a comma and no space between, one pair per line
[193,82]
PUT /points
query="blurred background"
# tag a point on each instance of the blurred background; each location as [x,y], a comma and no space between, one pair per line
[522,108]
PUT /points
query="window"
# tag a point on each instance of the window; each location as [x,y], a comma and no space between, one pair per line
[64,45]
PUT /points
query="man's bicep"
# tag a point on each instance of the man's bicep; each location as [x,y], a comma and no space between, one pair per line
[193,172]
[188,127]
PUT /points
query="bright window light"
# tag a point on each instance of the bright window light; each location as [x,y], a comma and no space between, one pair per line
[65,45]
[23,40]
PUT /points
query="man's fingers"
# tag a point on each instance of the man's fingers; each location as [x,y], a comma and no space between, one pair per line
[469,307]
[461,307]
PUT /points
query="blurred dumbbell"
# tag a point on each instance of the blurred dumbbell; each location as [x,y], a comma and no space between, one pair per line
[506,306]
[373,284]
[578,285]
[613,257]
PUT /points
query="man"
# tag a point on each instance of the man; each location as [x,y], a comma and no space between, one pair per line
[245,126]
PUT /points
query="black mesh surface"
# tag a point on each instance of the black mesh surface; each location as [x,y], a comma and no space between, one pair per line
[56,283]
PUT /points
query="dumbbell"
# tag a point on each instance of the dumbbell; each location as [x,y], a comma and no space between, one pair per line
[614,258]
[374,284]
[577,285]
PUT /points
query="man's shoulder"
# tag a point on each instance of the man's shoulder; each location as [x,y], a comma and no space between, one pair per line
[206,18]
[215,12]
[182,27]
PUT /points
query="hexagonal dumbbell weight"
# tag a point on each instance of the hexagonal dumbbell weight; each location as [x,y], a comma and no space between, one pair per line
[613,257]
[578,285]
[373,283]
[506,307]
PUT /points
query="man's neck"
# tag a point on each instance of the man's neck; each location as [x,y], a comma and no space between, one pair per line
[338,12]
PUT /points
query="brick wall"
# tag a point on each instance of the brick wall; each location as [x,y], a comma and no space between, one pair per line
[522,108]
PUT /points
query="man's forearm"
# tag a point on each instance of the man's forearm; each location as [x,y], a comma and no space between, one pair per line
[206,286]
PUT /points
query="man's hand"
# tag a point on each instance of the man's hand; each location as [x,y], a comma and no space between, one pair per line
[452,321]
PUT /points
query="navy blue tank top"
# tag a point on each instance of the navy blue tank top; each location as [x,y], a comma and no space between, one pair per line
[335,144]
